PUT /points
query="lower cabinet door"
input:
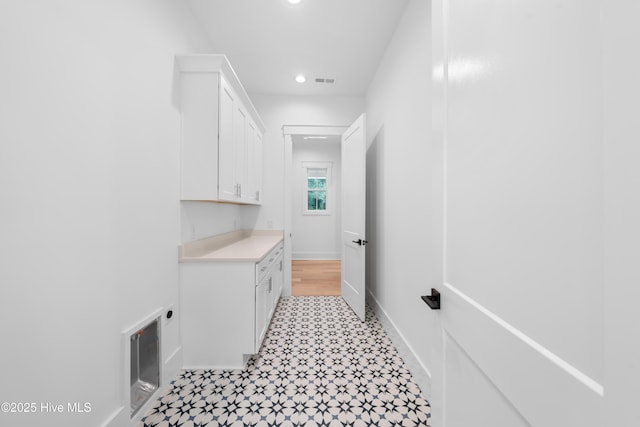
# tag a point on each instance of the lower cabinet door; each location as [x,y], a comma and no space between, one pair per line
[261,312]
[267,295]
[278,280]
[264,307]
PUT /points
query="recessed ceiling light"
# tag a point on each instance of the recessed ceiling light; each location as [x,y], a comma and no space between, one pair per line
[316,137]
[294,1]
[300,78]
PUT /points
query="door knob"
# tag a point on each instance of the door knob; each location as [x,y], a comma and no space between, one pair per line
[433,300]
[360,242]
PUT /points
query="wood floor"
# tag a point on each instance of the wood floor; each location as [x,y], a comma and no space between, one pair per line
[316,277]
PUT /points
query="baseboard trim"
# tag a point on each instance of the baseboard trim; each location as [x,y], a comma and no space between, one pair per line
[212,367]
[307,256]
[420,373]
[172,366]
[117,419]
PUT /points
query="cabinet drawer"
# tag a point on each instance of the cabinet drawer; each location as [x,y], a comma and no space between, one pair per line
[263,267]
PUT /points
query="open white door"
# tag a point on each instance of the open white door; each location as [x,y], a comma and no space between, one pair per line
[520,323]
[354,149]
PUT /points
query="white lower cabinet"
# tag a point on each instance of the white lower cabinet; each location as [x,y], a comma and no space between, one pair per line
[226,309]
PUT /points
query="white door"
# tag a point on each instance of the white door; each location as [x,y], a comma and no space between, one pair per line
[520,324]
[354,150]
[622,210]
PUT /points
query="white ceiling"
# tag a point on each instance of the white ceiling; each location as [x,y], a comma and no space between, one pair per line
[268,42]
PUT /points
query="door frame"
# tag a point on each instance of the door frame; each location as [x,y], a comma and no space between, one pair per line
[288,132]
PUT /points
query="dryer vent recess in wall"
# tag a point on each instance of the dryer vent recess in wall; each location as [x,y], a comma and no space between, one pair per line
[325,80]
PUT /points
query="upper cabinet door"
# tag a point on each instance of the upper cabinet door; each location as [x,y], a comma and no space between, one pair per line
[199,148]
[254,157]
[240,151]
[227,187]
[258,163]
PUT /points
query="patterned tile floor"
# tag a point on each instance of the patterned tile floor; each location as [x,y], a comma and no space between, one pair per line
[319,366]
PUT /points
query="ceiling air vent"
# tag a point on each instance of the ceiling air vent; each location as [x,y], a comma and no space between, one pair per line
[325,80]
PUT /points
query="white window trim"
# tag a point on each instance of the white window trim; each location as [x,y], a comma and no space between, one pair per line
[317,165]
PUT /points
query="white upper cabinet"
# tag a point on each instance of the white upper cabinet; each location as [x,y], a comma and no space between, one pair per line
[221,157]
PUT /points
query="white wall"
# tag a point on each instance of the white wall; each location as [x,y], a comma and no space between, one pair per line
[277,111]
[203,219]
[89,186]
[401,263]
[316,236]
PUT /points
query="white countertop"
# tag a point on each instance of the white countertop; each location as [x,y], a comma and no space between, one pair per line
[241,245]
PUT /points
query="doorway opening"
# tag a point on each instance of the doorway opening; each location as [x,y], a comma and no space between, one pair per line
[316,202]
[315,188]
[310,275]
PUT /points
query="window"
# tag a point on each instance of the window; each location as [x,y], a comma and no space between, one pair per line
[317,188]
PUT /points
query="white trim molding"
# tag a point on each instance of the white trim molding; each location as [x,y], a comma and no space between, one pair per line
[302,256]
[519,366]
[545,352]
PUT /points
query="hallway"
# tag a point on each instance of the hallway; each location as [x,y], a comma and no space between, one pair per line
[318,366]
